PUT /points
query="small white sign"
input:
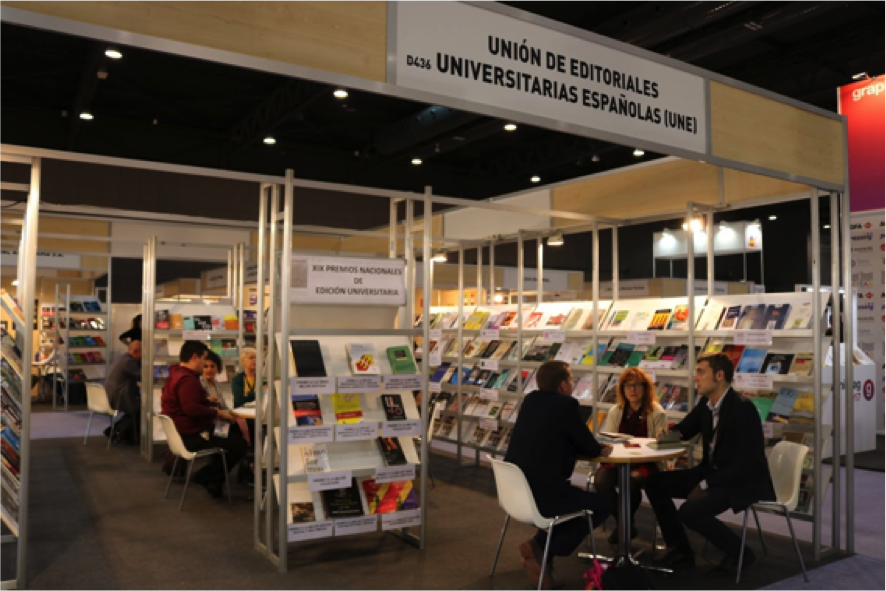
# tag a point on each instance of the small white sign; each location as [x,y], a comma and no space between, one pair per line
[555,336]
[395,473]
[767,430]
[356,525]
[359,384]
[356,432]
[400,519]
[489,394]
[196,335]
[310,531]
[329,480]
[641,337]
[753,337]
[434,359]
[322,434]
[340,280]
[754,381]
[408,428]
[490,333]
[435,333]
[311,386]
[403,382]
[489,364]
[489,424]
[435,387]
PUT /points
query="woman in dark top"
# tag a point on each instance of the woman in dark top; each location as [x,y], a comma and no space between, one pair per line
[635,413]
[134,333]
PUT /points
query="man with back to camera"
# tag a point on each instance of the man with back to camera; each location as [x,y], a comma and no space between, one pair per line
[548,435]
[199,424]
[123,392]
[733,474]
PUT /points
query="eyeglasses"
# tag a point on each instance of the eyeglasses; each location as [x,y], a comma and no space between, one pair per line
[635,386]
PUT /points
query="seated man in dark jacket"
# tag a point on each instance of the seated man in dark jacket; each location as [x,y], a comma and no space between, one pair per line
[185,401]
[733,474]
[548,435]
[123,392]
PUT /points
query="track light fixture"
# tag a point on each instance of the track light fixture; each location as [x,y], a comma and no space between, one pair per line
[340,93]
[511,127]
[270,140]
[556,239]
[535,179]
[638,152]
[438,257]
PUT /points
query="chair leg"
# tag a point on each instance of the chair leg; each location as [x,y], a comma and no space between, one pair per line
[88,426]
[744,533]
[227,476]
[111,433]
[544,561]
[187,480]
[759,530]
[171,476]
[787,516]
[501,540]
[592,541]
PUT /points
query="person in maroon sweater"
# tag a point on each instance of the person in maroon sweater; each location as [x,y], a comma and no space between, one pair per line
[199,422]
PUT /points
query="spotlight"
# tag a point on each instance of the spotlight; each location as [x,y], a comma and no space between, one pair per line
[15,281]
[113,54]
[827,226]
[772,218]
[340,94]
[555,239]
[511,127]
[439,257]
[694,225]
[416,161]
[638,152]
[86,116]
[270,140]
[535,179]
[595,158]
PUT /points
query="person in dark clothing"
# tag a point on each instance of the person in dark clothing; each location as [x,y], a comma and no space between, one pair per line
[134,333]
[547,437]
[123,393]
[733,474]
[201,425]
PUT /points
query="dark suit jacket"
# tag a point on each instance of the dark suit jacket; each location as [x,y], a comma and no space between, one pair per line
[739,462]
[547,436]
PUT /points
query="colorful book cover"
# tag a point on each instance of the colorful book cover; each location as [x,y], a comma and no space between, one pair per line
[800,316]
[804,409]
[533,321]
[735,353]
[783,406]
[203,322]
[637,355]
[306,410]
[763,401]
[710,317]
[391,451]
[777,363]
[362,359]
[389,497]
[618,318]
[188,323]
[477,320]
[176,322]
[231,322]
[802,365]
[776,316]
[161,319]
[730,318]
[752,317]
[589,358]
[660,319]
[680,318]
[438,374]
[573,321]
[556,320]
[400,358]
[347,408]
[751,360]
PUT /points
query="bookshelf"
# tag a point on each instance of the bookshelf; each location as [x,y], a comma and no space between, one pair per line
[15,389]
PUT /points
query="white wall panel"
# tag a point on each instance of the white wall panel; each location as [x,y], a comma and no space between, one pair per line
[177,233]
[473,223]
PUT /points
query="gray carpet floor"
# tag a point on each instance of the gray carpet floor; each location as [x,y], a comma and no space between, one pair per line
[98,521]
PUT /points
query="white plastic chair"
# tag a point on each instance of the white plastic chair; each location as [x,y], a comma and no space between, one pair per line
[515,497]
[178,448]
[97,401]
[786,468]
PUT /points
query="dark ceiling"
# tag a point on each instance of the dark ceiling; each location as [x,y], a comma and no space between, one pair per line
[167,108]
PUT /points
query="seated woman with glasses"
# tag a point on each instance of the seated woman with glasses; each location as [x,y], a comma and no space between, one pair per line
[635,413]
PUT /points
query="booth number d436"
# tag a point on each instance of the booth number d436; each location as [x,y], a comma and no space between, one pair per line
[418,62]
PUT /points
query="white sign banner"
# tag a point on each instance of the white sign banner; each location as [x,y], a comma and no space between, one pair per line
[320,434]
[311,386]
[434,358]
[400,519]
[641,337]
[309,531]
[359,384]
[553,280]
[754,381]
[435,333]
[490,333]
[216,278]
[329,480]
[407,428]
[45,259]
[555,336]
[474,54]
[395,473]
[356,525]
[753,337]
[403,382]
[489,424]
[489,394]
[196,335]
[337,280]
[489,364]
[356,432]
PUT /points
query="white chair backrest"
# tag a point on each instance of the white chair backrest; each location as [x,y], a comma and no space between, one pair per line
[514,494]
[97,399]
[786,467]
[173,438]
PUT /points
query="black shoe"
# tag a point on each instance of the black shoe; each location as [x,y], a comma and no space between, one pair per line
[675,559]
[613,537]
[729,564]
[214,489]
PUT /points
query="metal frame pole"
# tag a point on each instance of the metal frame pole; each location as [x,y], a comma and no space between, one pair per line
[690,296]
[520,280]
[425,362]
[271,356]
[147,414]
[67,373]
[409,252]
[595,314]
[260,458]
[849,331]
[615,263]
[709,221]
[836,309]
[285,281]
[460,337]
[491,298]
[816,352]
[479,301]
[539,287]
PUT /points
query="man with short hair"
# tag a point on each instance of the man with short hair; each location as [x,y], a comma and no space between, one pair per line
[547,437]
[733,474]
[200,425]
[123,392]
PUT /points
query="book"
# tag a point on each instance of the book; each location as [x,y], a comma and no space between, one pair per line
[531,384]
[802,365]
[176,322]
[652,357]
[189,324]
[783,406]
[639,321]
[307,358]
[343,502]
[438,374]
[751,360]
[800,316]
[477,320]
[475,347]
[575,319]
[556,320]
[660,319]
[620,355]
[589,357]
[347,408]
[803,412]
[229,348]
[302,511]
[306,410]
[231,322]
[672,356]
[617,319]
[752,317]
[393,407]
[734,352]
[680,318]
[161,347]
[762,400]
[730,318]
[389,497]
[503,349]
[362,360]
[572,351]
[583,388]
[400,358]
[710,317]
[315,458]
[777,363]
[637,355]
[161,319]
[203,322]
[391,451]
[218,322]
[776,316]
[508,409]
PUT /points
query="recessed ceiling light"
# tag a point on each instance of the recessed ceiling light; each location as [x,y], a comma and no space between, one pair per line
[556,239]
[87,116]
[511,127]
[535,179]
[416,161]
[595,158]
[772,218]
[439,257]
[15,282]
[270,140]
[113,54]
[638,152]
[827,226]
[340,93]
